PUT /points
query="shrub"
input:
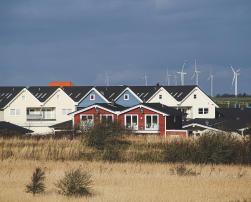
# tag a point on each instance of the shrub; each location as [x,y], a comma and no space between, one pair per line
[180,151]
[36,185]
[217,148]
[102,133]
[182,170]
[75,183]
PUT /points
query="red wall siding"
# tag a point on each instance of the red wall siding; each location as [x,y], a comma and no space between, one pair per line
[93,111]
[141,118]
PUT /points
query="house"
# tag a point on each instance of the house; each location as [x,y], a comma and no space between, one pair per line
[190,99]
[133,95]
[15,103]
[147,118]
[236,120]
[55,105]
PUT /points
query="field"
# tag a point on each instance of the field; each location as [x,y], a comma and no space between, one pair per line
[230,102]
[130,182]
[138,171]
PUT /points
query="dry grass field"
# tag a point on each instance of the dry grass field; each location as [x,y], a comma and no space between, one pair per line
[129,182]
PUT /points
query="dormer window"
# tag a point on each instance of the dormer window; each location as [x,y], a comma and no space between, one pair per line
[126,96]
[160,97]
[194,96]
[92,97]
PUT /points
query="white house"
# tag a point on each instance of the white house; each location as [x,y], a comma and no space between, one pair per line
[55,107]
[190,99]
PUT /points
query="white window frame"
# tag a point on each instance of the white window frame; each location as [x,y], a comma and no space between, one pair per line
[126,96]
[81,115]
[15,112]
[92,96]
[204,110]
[106,115]
[201,109]
[136,128]
[154,129]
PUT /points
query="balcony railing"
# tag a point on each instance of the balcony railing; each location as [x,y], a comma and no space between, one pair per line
[40,117]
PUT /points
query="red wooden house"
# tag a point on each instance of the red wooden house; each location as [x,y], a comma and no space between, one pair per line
[142,118]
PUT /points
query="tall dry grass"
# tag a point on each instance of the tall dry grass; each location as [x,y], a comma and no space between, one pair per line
[133,182]
[42,149]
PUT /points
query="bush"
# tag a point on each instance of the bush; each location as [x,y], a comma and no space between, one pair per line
[218,148]
[180,151]
[75,183]
[182,170]
[103,133]
[36,185]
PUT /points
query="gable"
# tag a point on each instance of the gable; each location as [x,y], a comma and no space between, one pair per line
[166,98]
[130,101]
[201,99]
[87,101]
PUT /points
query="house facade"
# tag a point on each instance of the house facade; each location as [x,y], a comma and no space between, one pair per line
[190,99]
[142,118]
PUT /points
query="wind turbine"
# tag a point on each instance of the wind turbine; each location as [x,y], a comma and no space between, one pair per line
[196,73]
[235,80]
[175,79]
[107,79]
[167,80]
[182,74]
[145,77]
[211,78]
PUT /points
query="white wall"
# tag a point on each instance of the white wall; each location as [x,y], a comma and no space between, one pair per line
[201,101]
[167,99]
[21,102]
[1,115]
[60,100]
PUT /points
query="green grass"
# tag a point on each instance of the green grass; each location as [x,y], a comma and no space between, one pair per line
[232,101]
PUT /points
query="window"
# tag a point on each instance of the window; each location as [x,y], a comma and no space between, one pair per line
[87,121]
[92,97]
[126,96]
[23,97]
[200,111]
[160,97]
[66,111]
[15,112]
[151,122]
[194,96]
[203,111]
[131,122]
[107,118]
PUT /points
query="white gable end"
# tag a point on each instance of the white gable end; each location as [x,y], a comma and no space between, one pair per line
[199,105]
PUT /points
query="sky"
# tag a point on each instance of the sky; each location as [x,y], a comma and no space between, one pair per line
[84,40]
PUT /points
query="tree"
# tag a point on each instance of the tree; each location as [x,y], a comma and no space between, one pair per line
[36,185]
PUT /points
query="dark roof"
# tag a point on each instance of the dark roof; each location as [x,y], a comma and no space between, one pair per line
[8,93]
[179,92]
[112,107]
[110,92]
[144,92]
[42,93]
[227,119]
[7,128]
[77,92]
[163,108]
[63,125]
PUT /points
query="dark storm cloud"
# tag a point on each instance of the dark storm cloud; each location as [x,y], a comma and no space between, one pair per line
[80,40]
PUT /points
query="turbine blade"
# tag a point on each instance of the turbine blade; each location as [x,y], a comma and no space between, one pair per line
[232,68]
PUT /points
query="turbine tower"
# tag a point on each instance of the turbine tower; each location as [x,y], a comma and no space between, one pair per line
[167,80]
[235,80]
[107,79]
[182,74]
[145,77]
[175,79]
[196,73]
[211,78]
